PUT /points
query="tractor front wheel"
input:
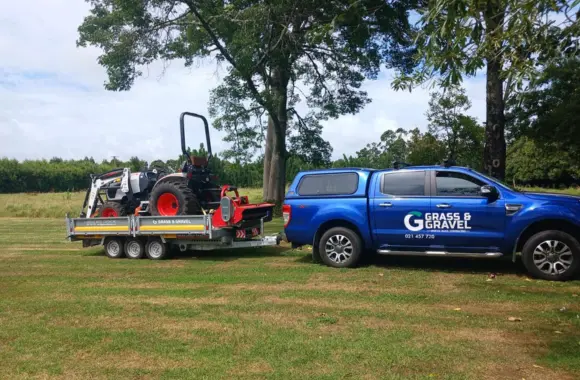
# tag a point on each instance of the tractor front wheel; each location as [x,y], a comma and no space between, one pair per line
[112,210]
[174,198]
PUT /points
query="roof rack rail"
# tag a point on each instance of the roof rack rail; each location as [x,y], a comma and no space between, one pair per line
[399,164]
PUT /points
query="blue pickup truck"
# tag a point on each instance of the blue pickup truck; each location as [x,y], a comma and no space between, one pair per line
[431,211]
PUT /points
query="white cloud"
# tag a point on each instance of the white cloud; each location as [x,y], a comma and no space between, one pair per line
[52,101]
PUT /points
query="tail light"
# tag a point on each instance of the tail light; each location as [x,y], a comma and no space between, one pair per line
[286,214]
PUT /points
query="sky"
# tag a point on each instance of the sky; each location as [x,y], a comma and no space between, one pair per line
[53,102]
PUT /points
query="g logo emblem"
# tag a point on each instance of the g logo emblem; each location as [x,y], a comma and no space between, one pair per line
[417,223]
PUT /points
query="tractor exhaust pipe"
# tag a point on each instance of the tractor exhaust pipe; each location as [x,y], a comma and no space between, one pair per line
[182,130]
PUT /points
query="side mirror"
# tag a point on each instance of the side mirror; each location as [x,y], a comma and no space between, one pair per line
[489,191]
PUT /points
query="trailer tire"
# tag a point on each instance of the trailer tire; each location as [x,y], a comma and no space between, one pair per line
[174,197]
[134,249]
[340,247]
[114,248]
[156,249]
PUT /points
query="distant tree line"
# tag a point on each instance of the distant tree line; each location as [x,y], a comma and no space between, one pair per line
[58,175]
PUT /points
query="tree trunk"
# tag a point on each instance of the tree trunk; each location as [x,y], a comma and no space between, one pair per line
[494,153]
[277,181]
[267,160]
[276,184]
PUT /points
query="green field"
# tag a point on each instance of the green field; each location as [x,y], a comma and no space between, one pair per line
[68,312]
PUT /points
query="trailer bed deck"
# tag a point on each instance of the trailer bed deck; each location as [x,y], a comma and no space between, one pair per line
[136,235]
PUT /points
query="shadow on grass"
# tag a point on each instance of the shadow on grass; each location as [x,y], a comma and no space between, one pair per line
[213,255]
[430,264]
[450,264]
[227,254]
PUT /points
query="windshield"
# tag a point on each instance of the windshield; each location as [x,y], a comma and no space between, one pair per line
[497,181]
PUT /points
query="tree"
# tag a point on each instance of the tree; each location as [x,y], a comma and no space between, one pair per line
[278,54]
[460,37]
[309,146]
[549,112]
[535,164]
[425,148]
[462,134]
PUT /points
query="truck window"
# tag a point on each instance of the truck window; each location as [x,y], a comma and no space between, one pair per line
[328,184]
[410,183]
[457,184]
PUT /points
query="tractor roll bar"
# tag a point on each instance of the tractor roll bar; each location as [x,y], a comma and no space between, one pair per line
[182,130]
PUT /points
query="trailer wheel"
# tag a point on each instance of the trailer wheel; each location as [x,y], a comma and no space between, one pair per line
[114,248]
[134,249]
[156,249]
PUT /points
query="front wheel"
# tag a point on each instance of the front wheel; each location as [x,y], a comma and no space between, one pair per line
[114,248]
[340,247]
[551,255]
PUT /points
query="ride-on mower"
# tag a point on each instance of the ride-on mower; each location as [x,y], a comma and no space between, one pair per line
[191,191]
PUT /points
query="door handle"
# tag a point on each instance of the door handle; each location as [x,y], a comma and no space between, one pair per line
[386,204]
[443,205]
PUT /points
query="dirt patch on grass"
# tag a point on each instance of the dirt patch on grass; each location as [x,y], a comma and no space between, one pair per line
[499,353]
[143,285]
[131,360]
[176,328]
[492,309]
[166,300]
[259,367]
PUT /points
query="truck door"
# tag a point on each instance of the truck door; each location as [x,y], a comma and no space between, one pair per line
[399,200]
[462,219]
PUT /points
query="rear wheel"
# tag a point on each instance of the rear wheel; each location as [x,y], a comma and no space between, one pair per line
[173,198]
[112,210]
[552,255]
[340,247]
[156,249]
[114,248]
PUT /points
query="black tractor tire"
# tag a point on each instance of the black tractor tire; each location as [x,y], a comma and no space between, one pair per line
[340,247]
[182,200]
[562,264]
[111,209]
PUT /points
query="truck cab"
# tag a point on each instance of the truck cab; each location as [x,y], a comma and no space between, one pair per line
[431,211]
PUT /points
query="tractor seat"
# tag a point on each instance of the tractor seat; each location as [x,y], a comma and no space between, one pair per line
[199,161]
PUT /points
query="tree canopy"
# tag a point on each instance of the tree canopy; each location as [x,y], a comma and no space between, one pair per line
[289,63]
[507,38]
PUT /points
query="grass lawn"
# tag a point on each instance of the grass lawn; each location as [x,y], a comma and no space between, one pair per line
[68,312]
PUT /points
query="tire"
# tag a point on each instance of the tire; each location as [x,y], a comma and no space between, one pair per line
[156,249]
[134,249]
[551,255]
[112,210]
[114,248]
[174,198]
[340,247]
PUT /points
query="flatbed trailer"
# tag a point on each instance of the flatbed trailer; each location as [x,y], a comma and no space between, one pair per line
[152,236]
